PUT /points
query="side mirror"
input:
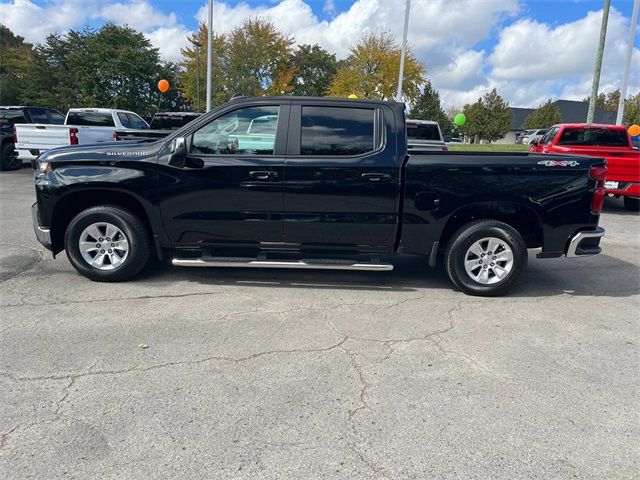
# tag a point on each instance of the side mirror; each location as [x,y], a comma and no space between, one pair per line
[178,152]
[534,143]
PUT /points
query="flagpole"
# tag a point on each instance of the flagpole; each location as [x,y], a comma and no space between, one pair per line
[625,81]
[598,68]
[209,50]
[403,51]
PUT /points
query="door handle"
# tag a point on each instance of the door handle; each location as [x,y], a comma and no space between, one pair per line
[263,174]
[376,177]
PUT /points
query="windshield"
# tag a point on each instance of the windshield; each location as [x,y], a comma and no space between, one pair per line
[594,137]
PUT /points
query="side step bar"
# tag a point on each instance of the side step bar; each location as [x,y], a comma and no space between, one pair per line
[305,264]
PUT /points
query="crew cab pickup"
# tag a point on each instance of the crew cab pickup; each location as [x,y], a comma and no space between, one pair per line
[162,124]
[316,183]
[611,142]
[82,126]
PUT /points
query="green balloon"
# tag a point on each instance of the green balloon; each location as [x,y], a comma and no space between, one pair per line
[459,119]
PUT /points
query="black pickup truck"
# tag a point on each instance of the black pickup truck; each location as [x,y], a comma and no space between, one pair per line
[320,183]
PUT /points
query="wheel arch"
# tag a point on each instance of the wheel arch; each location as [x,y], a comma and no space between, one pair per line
[523,218]
[76,201]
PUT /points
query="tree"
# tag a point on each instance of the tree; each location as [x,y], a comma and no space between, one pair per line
[607,101]
[371,71]
[632,110]
[489,118]
[476,120]
[15,57]
[428,107]
[256,59]
[313,70]
[544,116]
[113,67]
[189,69]
[252,59]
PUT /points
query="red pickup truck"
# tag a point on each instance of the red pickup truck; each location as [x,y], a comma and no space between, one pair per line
[611,142]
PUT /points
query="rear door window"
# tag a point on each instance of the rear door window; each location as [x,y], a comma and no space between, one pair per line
[92,119]
[337,131]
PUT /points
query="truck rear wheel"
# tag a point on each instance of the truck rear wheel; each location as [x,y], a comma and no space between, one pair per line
[632,204]
[486,258]
[9,157]
[107,244]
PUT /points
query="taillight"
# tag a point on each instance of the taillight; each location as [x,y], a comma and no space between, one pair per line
[15,135]
[116,137]
[597,200]
[599,174]
[73,136]
[445,148]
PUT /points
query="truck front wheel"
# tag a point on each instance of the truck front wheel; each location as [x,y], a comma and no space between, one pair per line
[486,258]
[107,244]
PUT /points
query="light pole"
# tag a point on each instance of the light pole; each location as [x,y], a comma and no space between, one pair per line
[598,68]
[197,46]
[209,54]
[403,51]
[625,81]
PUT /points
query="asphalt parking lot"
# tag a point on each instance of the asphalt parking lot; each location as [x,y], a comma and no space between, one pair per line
[303,375]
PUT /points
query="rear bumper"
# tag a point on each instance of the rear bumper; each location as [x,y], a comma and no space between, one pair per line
[624,189]
[42,234]
[585,243]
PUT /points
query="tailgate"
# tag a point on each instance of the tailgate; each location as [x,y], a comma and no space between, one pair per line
[41,137]
[623,164]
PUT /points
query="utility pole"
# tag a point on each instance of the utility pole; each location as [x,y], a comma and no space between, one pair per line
[197,46]
[209,52]
[598,67]
[625,81]
[403,51]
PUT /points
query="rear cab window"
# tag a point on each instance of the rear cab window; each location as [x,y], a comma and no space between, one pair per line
[91,119]
[594,137]
[12,116]
[337,131]
[423,131]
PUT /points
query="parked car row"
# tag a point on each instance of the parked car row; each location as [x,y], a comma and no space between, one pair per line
[27,132]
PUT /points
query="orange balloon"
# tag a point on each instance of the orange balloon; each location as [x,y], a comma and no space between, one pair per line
[163,85]
[634,130]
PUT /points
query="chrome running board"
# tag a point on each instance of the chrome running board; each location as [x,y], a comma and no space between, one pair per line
[320,264]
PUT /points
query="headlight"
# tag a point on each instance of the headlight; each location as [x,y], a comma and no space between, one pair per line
[44,167]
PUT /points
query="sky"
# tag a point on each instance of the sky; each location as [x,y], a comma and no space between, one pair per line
[529,50]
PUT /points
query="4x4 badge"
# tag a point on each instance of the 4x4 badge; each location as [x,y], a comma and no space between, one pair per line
[559,163]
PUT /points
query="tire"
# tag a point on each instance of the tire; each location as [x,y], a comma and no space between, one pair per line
[9,157]
[482,235]
[632,204]
[131,244]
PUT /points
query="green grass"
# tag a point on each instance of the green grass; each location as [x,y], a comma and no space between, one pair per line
[489,147]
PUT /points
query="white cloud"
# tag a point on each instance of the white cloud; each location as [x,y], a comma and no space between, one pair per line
[531,61]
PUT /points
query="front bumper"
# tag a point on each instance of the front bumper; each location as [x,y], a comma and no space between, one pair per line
[42,234]
[585,243]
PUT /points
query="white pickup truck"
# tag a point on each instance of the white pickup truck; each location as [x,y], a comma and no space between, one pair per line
[82,126]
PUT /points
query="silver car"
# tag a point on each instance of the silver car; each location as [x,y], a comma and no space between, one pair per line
[534,135]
